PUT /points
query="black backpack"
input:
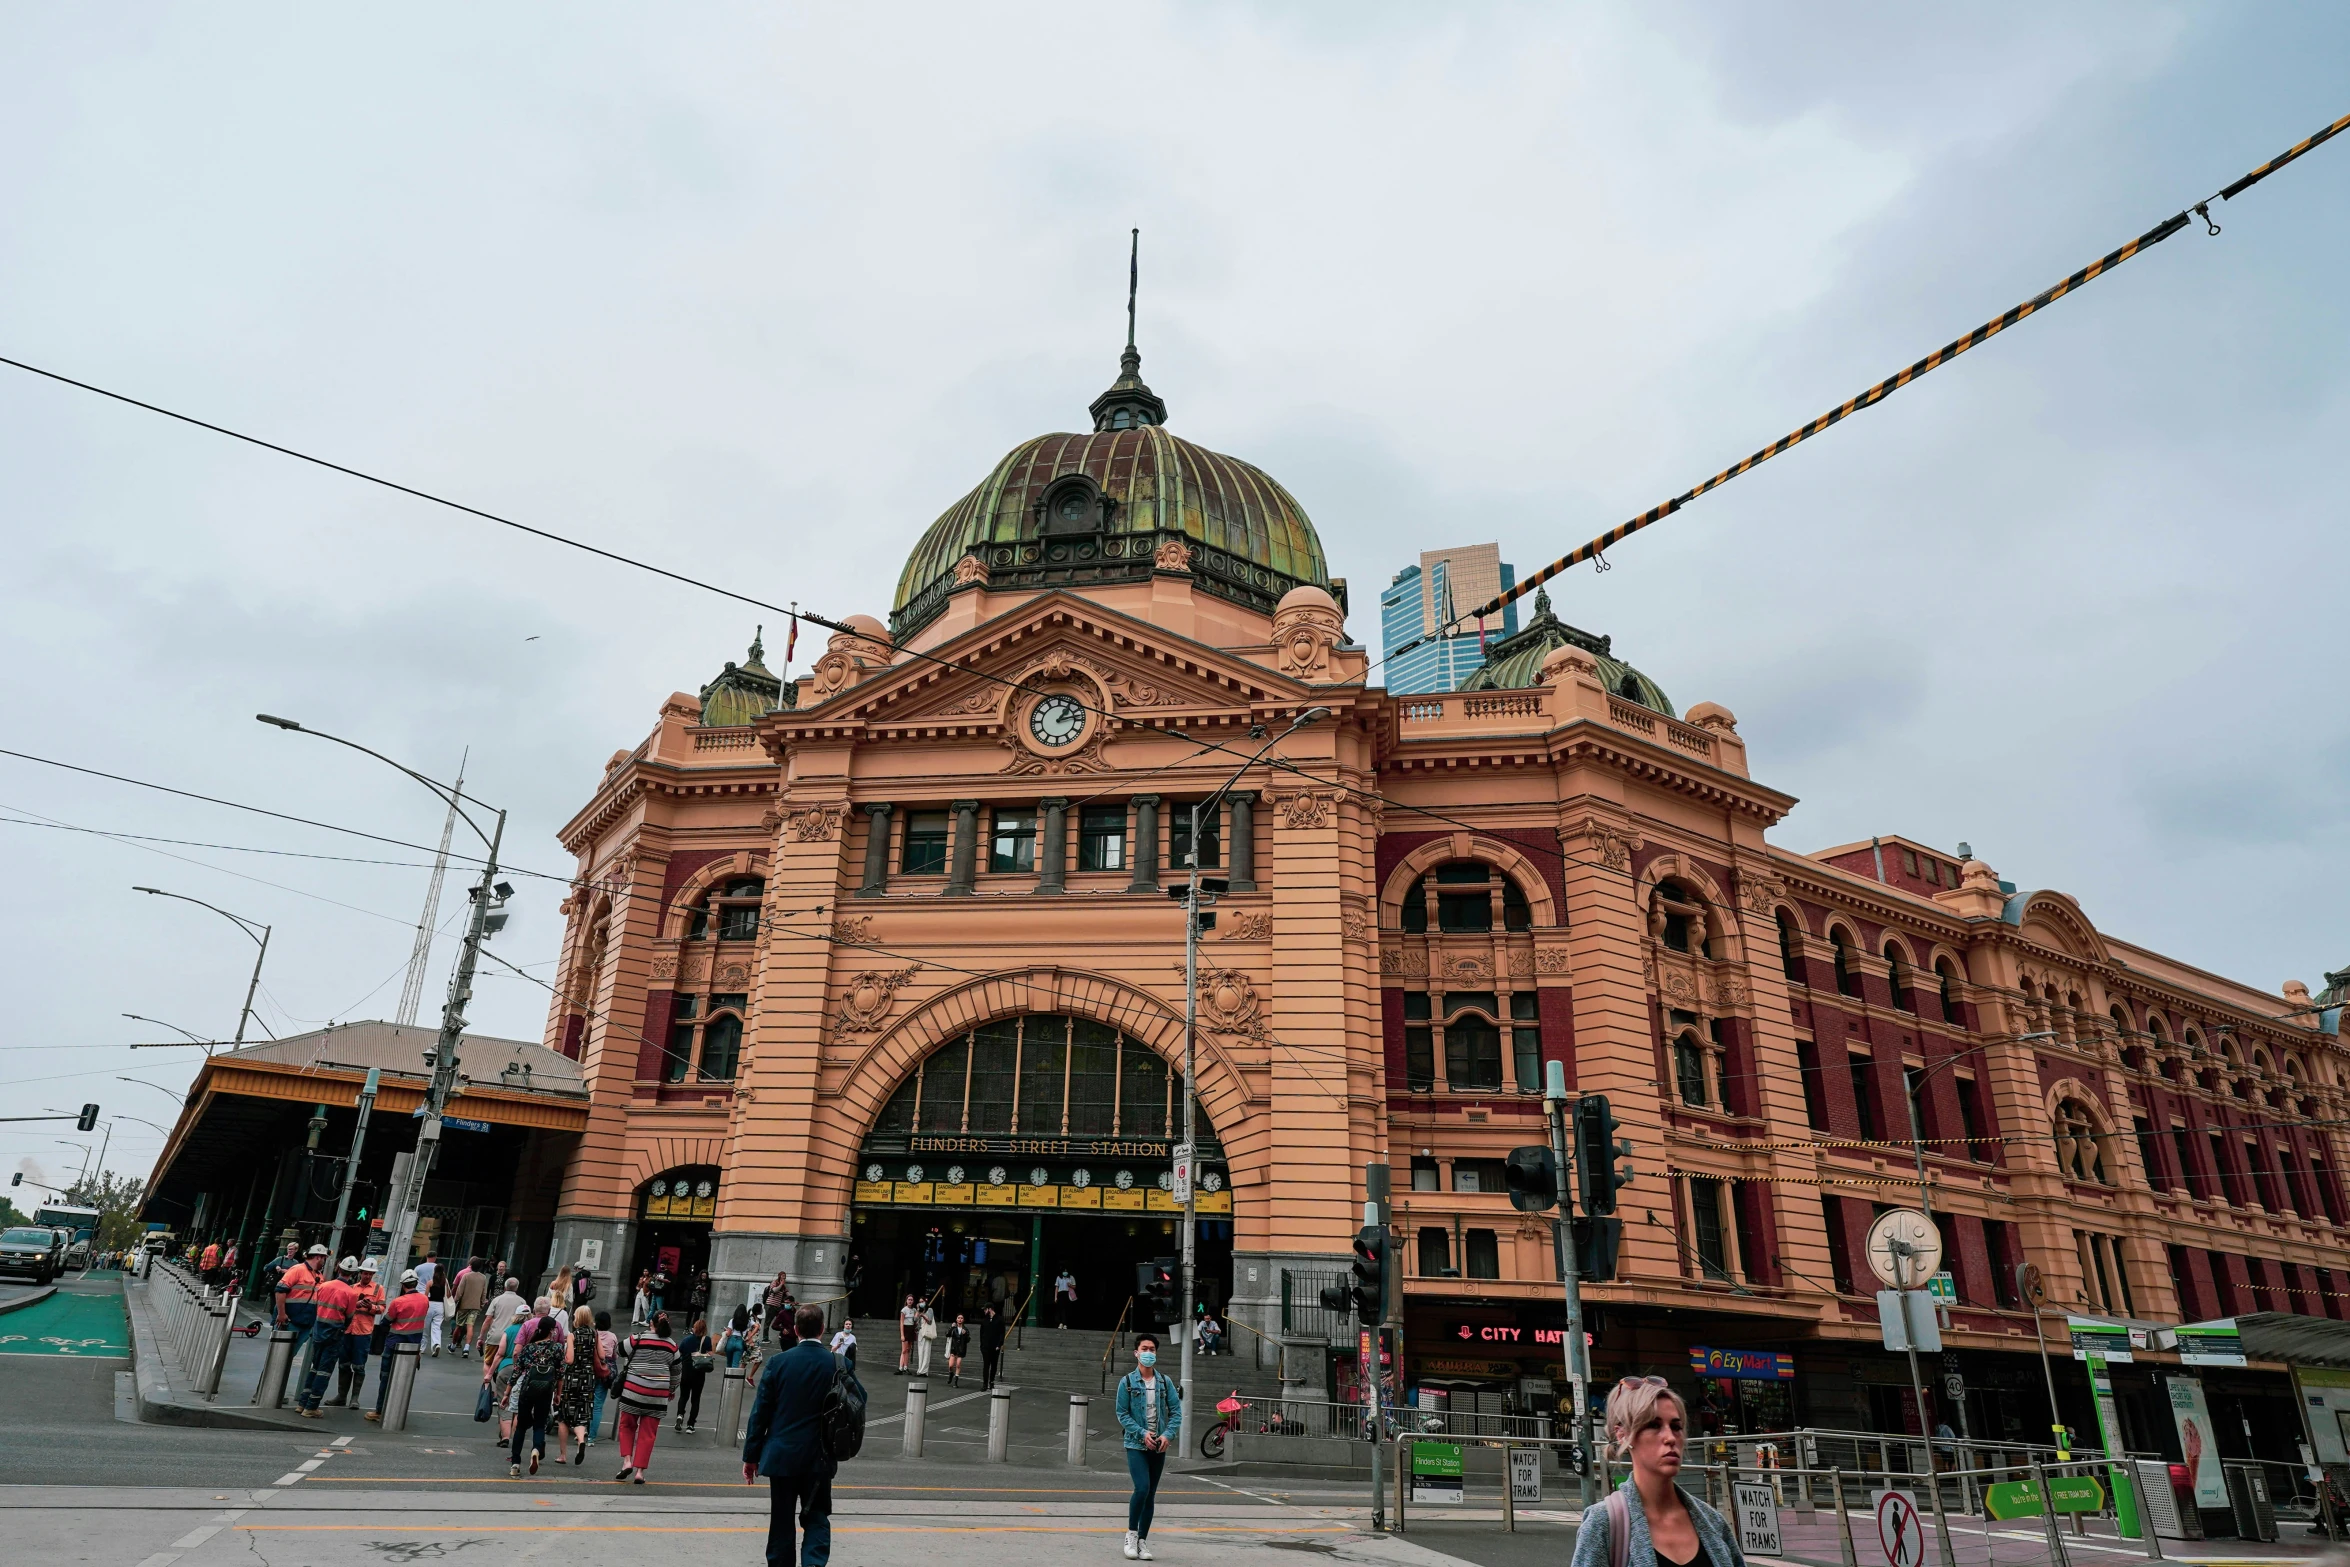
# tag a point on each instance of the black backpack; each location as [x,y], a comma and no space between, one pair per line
[840,1424]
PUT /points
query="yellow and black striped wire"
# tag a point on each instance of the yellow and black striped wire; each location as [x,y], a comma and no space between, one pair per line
[1887,387]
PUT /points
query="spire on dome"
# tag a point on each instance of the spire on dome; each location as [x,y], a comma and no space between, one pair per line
[1129,402]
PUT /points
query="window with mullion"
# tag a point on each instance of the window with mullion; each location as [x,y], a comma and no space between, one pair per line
[1093,1079]
[679,1053]
[1419,1043]
[1705,1214]
[722,1046]
[1526,1041]
[925,853]
[1044,1076]
[1142,1091]
[1013,847]
[995,1066]
[1101,838]
[1472,1043]
[1211,837]
[944,1077]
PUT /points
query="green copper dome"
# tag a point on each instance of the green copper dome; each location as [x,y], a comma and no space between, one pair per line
[1079,510]
[1517,663]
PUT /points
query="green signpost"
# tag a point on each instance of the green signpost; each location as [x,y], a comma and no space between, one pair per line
[1436,1471]
[2021,1498]
[2125,1491]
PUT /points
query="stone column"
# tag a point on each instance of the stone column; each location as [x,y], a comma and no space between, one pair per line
[1240,827]
[966,853]
[876,851]
[1144,850]
[1052,862]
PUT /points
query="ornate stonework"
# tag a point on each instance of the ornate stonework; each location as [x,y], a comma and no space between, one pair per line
[856,932]
[1087,758]
[1172,555]
[665,966]
[864,1006]
[1463,965]
[816,823]
[1552,960]
[1757,892]
[1358,916]
[1249,927]
[1229,1003]
[1303,635]
[732,975]
[1305,808]
[694,967]
[1610,845]
[1729,991]
[970,569]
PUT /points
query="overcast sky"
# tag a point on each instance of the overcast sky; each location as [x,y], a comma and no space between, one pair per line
[759,297]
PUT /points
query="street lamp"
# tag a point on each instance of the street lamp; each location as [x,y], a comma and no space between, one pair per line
[243,924]
[1189,1153]
[489,897]
[194,1038]
[158,1087]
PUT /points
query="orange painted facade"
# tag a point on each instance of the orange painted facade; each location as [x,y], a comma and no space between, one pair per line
[1751,1012]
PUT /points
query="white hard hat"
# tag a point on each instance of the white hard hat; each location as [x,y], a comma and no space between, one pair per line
[370,1266]
[316,1251]
[350,1265]
[408,1277]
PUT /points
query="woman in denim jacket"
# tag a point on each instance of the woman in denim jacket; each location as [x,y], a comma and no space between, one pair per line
[1662,1525]
[1150,1412]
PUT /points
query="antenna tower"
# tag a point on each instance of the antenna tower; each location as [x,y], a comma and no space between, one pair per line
[412,991]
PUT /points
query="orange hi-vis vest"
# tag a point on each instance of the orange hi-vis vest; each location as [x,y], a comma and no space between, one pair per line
[366,1308]
[335,1300]
[299,1284]
[405,1313]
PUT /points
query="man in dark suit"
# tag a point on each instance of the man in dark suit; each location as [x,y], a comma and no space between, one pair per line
[783,1444]
[991,1346]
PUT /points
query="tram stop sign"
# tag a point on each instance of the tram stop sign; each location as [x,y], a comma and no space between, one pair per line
[1900,1530]
[2021,1498]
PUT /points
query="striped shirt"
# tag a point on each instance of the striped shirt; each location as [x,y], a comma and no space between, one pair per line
[652,1374]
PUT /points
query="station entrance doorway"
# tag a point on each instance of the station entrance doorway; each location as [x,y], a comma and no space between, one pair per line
[1025,1147]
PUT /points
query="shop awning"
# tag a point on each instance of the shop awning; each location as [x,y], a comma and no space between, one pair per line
[2296,1340]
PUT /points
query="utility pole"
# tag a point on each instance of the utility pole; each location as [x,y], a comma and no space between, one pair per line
[1378,1210]
[420,956]
[1554,1093]
[351,1165]
[400,1219]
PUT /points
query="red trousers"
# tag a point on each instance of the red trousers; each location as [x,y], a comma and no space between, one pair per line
[636,1435]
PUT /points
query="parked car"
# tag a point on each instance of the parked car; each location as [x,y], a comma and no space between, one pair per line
[32,1249]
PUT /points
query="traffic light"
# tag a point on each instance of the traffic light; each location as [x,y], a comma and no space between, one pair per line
[17,1179]
[1597,1149]
[89,1119]
[1533,1176]
[1366,1297]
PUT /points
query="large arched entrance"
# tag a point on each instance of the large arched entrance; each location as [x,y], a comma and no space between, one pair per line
[674,1211]
[1023,1148]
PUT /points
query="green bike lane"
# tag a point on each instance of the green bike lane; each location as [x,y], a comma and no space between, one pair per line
[84,1320]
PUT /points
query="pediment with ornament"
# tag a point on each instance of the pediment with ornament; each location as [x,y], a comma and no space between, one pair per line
[1109,662]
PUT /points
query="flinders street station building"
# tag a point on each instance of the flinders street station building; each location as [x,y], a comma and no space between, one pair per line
[872,978]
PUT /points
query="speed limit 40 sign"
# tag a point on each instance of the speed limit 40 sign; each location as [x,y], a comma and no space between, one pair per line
[1758,1519]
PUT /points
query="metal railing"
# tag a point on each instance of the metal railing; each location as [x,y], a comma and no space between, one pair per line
[1302,1311]
[195,1320]
[1316,1417]
[1117,1332]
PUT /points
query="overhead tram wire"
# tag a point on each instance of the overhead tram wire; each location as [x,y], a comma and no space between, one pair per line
[1594,550]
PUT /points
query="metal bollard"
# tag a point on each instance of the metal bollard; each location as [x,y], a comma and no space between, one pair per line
[300,1377]
[1080,1410]
[917,1407]
[1509,1495]
[730,1407]
[401,1387]
[215,1357]
[999,1426]
[1843,1518]
[271,1390]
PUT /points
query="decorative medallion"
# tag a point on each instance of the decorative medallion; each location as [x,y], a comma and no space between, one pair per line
[665,966]
[954,1175]
[1758,892]
[1613,846]
[1306,808]
[1172,555]
[1303,635]
[1467,966]
[1729,992]
[1521,964]
[1229,1003]
[1552,960]
[865,1004]
[1125,1180]
[815,823]
[856,932]
[1358,917]
[734,974]
[970,569]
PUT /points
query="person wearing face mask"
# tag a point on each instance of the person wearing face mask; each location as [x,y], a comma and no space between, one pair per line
[1150,1412]
[1650,1521]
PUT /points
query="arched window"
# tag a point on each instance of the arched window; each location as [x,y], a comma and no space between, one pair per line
[1485,1041]
[1949,987]
[730,911]
[1042,1075]
[713,1022]
[1898,977]
[1676,916]
[1847,972]
[2080,1149]
[1465,898]
[1790,949]
[722,1047]
[1689,1067]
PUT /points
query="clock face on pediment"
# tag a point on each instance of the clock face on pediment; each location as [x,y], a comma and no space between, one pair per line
[1056,720]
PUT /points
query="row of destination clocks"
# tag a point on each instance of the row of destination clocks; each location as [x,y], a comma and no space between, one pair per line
[997,1175]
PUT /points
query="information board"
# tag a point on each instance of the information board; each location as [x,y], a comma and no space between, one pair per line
[1436,1472]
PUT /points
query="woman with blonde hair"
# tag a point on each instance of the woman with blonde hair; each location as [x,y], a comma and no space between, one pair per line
[560,1291]
[1650,1521]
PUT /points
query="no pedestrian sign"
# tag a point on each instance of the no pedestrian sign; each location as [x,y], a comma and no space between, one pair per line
[1899,1529]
